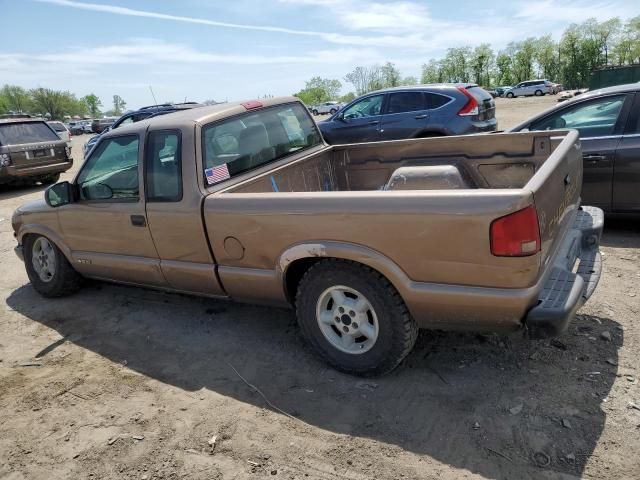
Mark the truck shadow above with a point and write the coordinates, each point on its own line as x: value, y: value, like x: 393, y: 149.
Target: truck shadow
x: 7, y: 192
x: 501, y: 407
x: 621, y: 232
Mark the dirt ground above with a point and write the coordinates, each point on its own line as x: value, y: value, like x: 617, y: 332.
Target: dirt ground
x: 121, y: 382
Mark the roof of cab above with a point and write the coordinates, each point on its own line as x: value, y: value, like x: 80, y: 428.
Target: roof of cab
x: 199, y: 115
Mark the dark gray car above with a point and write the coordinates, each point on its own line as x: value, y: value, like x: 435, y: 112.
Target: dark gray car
x: 412, y: 112
x: 609, y: 124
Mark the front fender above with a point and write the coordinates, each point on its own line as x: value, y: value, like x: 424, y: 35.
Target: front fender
x: 39, y: 229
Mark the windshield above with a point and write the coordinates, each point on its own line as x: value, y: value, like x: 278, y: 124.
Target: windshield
x: 242, y: 143
x: 27, y: 132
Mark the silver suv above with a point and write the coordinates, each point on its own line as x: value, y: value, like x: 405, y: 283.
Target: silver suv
x: 326, y: 107
x: 530, y: 87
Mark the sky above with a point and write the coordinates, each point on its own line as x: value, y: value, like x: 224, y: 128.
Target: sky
x: 234, y: 50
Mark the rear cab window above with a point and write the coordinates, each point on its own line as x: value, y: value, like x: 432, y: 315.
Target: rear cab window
x: 17, y: 133
x: 239, y: 144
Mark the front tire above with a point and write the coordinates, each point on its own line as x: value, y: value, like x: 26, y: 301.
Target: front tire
x: 49, y: 271
x: 332, y: 111
x: 354, y: 318
x: 538, y: 93
x: 509, y: 95
x: 315, y: 112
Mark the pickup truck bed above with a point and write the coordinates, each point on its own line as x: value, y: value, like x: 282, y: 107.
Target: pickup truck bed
x: 368, y: 242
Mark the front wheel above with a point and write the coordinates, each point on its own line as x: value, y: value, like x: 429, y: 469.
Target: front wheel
x: 49, y: 271
x: 539, y: 93
x: 354, y: 318
x: 332, y: 111
x: 509, y: 95
x: 315, y: 112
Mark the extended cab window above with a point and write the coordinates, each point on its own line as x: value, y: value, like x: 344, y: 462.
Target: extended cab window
x: 248, y: 141
x: 164, y: 167
x: 111, y: 172
x: 591, y: 118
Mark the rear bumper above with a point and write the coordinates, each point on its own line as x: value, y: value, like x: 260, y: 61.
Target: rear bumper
x: 564, y: 291
x: 13, y: 172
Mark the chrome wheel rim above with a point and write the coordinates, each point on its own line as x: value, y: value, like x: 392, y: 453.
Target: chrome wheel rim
x: 43, y: 258
x: 347, y: 320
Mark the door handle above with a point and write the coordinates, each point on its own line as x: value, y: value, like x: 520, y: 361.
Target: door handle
x: 420, y: 117
x: 138, y: 221
x: 594, y: 158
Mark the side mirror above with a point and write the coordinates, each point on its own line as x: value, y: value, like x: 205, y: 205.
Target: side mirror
x: 58, y: 194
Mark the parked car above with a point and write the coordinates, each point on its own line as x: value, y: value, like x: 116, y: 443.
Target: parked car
x: 501, y: 90
x: 62, y: 131
x: 78, y: 127
x: 412, y: 112
x: 141, y: 114
x: 608, y: 121
x: 326, y: 107
x: 367, y: 242
x: 565, y: 95
x: 99, y: 125
x: 529, y: 88
x: 30, y: 150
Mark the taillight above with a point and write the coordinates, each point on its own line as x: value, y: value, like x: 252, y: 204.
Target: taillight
x: 471, y: 107
x: 516, y: 234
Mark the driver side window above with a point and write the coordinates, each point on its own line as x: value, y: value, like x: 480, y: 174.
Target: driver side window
x: 367, y: 107
x: 592, y: 118
x: 111, y: 172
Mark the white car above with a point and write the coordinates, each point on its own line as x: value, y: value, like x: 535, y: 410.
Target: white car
x: 530, y: 87
x: 62, y: 131
x: 326, y: 107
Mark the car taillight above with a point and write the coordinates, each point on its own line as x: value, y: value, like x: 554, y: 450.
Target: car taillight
x: 471, y: 107
x: 516, y: 234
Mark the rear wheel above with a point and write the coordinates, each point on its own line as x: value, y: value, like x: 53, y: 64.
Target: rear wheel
x: 50, y: 179
x: 49, y: 271
x: 354, y: 318
x: 315, y: 112
x: 332, y: 111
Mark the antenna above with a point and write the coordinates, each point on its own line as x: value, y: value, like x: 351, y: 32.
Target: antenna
x: 153, y: 95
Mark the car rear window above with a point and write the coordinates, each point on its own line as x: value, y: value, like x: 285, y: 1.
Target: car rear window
x: 479, y: 94
x: 58, y: 127
x: 248, y: 141
x: 27, y: 132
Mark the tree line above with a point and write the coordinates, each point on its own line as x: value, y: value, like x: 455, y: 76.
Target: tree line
x: 582, y: 48
x: 54, y: 104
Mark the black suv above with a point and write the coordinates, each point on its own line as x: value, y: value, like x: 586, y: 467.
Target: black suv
x: 142, y: 114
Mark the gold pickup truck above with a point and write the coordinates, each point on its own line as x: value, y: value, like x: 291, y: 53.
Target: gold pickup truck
x: 368, y: 242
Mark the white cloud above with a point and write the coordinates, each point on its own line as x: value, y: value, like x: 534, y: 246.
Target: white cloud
x: 550, y: 11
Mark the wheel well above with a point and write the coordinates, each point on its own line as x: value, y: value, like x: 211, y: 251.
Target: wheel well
x: 294, y: 274
x: 430, y: 134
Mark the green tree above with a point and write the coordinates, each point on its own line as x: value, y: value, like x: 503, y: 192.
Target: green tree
x: 93, y: 104
x: 319, y: 90
x: 504, y: 75
x: 431, y: 71
x: 56, y: 104
x: 346, y: 98
x: 366, y: 79
x: 15, y: 98
x: 482, y: 59
x: 410, y: 80
x: 390, y: 75
x: 118, y: 105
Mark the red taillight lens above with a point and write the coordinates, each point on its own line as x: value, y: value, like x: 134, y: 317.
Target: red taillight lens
x: 471, y: 107
x: 516, y: 234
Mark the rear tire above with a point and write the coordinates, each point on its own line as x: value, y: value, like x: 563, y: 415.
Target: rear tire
x: 315, y: 112
x: 50, y: 179
x: 49, y: 271
x: 332, y: 111
x: 354, y: 318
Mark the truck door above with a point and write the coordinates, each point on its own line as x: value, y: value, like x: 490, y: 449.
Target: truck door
x: 174, y: 213
x: 405, y: 115
x: 106, y: 228
x: 626, y: 172
x: 600, y: 122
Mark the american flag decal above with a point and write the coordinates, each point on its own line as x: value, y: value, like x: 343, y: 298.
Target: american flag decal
x: 217, y: 174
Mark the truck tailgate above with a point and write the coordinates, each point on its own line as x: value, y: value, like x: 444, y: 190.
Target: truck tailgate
x: 556, y: 189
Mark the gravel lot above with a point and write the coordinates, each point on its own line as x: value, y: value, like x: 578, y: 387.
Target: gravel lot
x: 121, y: 382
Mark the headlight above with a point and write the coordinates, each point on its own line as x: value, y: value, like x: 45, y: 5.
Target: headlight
x: 5, y: 160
